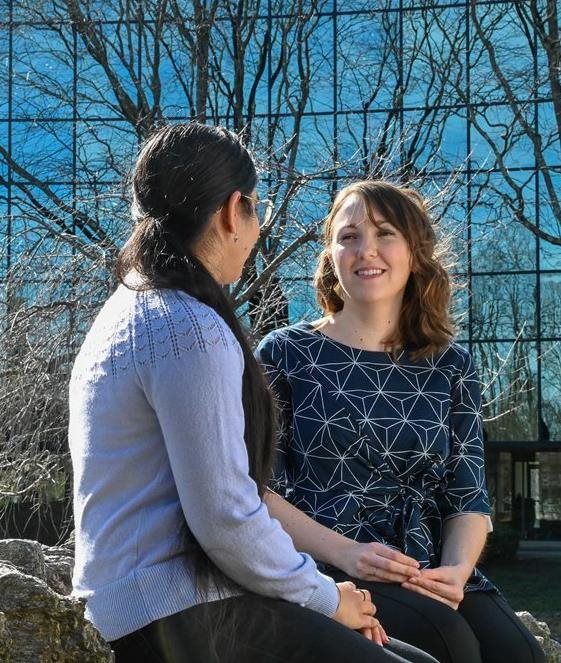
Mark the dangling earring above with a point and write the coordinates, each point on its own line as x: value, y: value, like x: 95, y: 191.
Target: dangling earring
x: 236, y: 237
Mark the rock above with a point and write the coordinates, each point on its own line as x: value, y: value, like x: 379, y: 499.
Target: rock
x: 5, y: 639
x: 59, y: 564
x: 36, y: 622
x: 541, y: 631
x: 25, y: 555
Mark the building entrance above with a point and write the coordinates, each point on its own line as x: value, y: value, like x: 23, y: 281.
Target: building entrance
x: 525, y: 491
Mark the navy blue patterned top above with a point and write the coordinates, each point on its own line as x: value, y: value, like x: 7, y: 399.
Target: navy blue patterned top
x: 377, y: 448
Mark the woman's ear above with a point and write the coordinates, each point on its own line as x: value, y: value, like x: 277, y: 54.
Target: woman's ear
x: 228, y: 214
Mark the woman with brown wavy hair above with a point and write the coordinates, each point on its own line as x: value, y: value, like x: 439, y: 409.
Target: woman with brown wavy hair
x: 381, y: 448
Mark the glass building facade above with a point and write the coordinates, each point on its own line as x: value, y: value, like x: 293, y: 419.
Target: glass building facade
x: 460, y: 98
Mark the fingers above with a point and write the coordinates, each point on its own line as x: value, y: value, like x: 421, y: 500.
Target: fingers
x: 385, y: 638
x: 346, y: 585
x: 438, y: 574
x: 378, y: 574
x: 377, y: 635
x: 378, y: 562
x: 366, y: 606
x: 433, y: 595
x: 355, y: 608
x: 365, y: 595
x: 449, y: 590
x: 374, y: 632
x: 395, y: 555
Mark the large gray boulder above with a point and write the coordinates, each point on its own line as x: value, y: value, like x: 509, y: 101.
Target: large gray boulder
x: 38, y: 623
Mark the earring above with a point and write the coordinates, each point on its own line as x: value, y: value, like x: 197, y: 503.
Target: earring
x: 236, y: 237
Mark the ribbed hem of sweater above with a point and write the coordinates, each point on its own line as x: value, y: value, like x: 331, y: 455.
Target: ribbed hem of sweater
x: 325, y: 598
x: 157, y: 591
x: 147, y: 594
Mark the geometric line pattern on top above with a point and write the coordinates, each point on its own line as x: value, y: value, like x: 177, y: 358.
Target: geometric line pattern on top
x: 375, y: 447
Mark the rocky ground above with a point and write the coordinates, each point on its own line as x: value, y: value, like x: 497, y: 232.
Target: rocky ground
x: 38, y: 620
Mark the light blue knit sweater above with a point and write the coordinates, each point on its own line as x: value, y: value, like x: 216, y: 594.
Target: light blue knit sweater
x: 156, y: 436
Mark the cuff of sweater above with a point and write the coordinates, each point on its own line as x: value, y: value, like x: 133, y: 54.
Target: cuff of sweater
x: 325, y: 598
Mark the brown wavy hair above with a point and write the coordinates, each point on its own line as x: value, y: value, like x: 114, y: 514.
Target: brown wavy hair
x: 425, y: 322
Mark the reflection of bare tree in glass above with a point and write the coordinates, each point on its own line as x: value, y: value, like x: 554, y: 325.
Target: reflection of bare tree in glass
x: 514, y: 106
x: 504, y: 308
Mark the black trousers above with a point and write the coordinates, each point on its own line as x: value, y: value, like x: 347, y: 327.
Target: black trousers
x: 484, y: 629
x: 254, y: 629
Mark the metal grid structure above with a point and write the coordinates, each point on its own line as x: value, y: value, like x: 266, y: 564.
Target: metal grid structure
x: 513, y: 272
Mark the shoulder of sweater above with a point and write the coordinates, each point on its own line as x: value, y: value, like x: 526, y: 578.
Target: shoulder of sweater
x: 138, y: 328
x: 180, y: 316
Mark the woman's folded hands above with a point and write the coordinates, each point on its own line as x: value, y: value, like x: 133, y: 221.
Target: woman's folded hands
x: 444, y: 583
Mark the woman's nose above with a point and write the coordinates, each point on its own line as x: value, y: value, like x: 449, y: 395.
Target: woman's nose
x: 368, y: 248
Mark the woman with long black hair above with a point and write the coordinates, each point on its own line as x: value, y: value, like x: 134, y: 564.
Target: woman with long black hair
x: 171, y: 435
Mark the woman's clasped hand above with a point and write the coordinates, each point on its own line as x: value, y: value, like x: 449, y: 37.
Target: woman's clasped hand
x: 443, y: 583
x: 357, y: 611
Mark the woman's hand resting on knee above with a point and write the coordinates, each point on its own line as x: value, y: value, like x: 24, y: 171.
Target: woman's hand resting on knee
x: 357, y: 611
x: 376, y: 562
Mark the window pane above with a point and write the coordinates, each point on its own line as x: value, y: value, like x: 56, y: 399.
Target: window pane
x: 508, y: 372
x: 511, y: 54
x: 367, y: 61
x: 105, y: 150
x: 504, y: 306
x: 42, y: 72
x: 499, y: 241
x: 44, y: 149
x: 499, y: 140
x: 550, y: 314
x: 551, y: 390
x: 549, y: 201
x: 549, y: 508
x: 433, y: 60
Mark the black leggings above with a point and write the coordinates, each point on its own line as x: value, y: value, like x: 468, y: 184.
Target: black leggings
x: 254, y: 629
x: 484, y: 629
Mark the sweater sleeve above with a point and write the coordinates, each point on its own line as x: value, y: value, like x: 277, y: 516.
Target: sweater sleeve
x: 197, y: 397
x: 466, y: 492
x: 268, y: 354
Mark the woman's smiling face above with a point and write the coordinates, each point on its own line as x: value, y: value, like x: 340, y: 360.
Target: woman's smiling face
x: 371, y: 258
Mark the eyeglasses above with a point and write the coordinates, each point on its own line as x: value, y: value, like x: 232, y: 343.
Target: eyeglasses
x: 262, y: 208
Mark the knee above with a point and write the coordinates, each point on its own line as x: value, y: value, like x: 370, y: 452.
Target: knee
x: 529, y: 651
x: 458, y: 638
x: 446, y: 635
x: 508, y: 641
